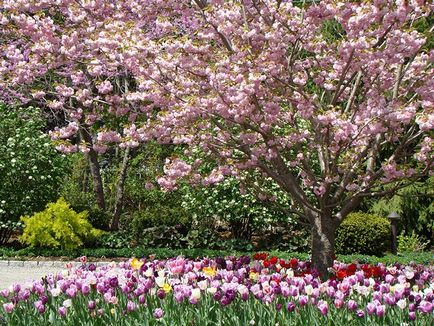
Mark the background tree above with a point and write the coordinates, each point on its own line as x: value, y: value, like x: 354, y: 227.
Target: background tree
x: 416, y: 206
x: 254, y: 84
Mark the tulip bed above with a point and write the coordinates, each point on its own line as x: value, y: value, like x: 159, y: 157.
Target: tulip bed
x: 261, y: 290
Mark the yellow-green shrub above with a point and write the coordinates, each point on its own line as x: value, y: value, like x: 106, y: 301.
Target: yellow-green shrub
x: 58, y: 226
x: 362, y: 233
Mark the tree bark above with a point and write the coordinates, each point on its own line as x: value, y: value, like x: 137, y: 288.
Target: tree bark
x: 114, y: 225
x: 95, y: 169
x: 323, y: 244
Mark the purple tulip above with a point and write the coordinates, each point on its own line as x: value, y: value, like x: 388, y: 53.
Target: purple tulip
x: 303, y: 300
x: 425, y: 307
x: 91, y: 305
x: 39, y: 306
x: 323, y: 307
x: 225, y: 300
x: 231, y: 294
x: 293, y: 291
x: 16, y: 288
x: 161, y: 294
x: 360, y: 313
x: 277, y: 290
x: 370, y: 308
x: 389, y: 299
x: 399, y: 294
x: 158, y: 313
x: 339, y: 295
x: 330, y: 292
x: 412, y: 307
x: 380, y: 310
x: 44, y: 299
x: 114, y: 282
x: 290, y: 306
x: 193, y: 300
x: 4, y: 293
x: 72, y: 291
x: 339, y: 303
x: 24, y: 295
x: 384, y: 288
x: 377, y: 296
x: 217, y: 296
x: 8, y: 307
x: 131, y: 306
x: 62, y: 311
x: 412, y: 315
x: 389, y: 278
x: 352, y: 305
x: 85, y: 289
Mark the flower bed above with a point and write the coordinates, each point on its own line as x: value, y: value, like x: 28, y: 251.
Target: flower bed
x: 223, y: 291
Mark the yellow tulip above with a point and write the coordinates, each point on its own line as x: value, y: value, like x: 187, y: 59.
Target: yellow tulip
x: 253, y: 275
x: 167, y: 288
x: 136, y: 264
x: 209, y: 271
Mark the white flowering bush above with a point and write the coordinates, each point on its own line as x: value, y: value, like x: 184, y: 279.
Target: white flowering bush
x: 30, y: 167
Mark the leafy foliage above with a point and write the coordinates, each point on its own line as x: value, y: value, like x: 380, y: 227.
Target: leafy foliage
x: 114, y: 240
x: 7, y: 229
x: 411, y: 243
x: 58, y: 226
x: 162, y: 209
x: 77, y: 185
x: 30, y: 168
x: 243, y: 209
x: 364, y: 234
x: 415, y: 204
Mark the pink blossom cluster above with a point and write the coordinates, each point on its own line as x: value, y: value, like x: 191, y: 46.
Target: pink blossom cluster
x: 173, y: 169
x: 252, y: 84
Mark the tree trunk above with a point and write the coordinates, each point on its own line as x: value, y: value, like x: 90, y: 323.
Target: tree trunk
x: 95, y: 170
x: 114, y: 225
x: 323, y: 244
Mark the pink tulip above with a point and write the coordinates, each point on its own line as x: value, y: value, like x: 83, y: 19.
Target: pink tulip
x: 8, y: 307
x: 323, y: 307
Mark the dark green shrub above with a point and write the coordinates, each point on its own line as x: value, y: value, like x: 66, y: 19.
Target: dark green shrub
x: 363, y: 233
x: 417, y: 213
x: 114, y: 240
x: 7, y: 229
x: 158, y: 215
x: 207, y: 238
x: 77, y: 191
x: 284, y: 237
x: 161, y: 237
x: 99, y: 219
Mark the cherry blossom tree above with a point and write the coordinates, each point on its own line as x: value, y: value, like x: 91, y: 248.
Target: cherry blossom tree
x: 332, y: 118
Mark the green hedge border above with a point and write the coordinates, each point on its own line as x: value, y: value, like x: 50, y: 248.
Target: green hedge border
x: 426, y: 258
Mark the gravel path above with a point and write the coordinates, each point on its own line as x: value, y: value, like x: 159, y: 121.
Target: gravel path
x: 22, y: 271
x: 21, y: 274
